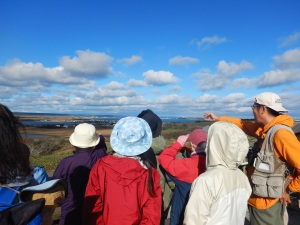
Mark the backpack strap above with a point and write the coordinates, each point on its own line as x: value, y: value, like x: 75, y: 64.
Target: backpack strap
x: 7, y: 195
x: 268, y: 143
x: 274, y: 164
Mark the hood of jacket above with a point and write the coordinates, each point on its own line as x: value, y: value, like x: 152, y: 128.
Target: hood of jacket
x: 123, y: 170
x: 227, y: 146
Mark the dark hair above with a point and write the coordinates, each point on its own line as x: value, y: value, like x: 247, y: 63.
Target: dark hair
x: 271, y: 111
x: 14, y: 153
x: 150, y: 183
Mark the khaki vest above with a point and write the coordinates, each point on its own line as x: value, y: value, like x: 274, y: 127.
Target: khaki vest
x: 271, y: 175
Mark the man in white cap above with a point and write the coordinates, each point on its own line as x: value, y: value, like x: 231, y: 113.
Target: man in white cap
x: 269, y: 113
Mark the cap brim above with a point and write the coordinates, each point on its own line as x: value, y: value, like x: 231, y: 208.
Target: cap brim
x: 278, y: 108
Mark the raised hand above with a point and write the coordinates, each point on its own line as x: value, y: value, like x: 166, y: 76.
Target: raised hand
x: 210, y: 116
x: 182, y: 139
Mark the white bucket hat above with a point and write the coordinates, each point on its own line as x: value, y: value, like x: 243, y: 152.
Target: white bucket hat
x: 271, y: 100
x: 84, y: 136
x: 131, y: 136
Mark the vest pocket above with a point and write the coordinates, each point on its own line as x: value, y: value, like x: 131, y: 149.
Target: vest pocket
x: 275, y: 186
x: 259, y: 187
x: 268, y: 185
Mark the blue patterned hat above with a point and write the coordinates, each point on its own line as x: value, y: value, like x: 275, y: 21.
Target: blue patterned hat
x: 131, y: 136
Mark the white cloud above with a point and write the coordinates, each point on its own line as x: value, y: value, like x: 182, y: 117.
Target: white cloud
x: 137, y: 83
x: 289, y: 59
x: 287, y: 71
x: 17, y: 73
x: 207, y: 98
x: 290, y: 40
x: 269, y: 79
x: 207, y: 42
x: 278, y: 77
x: 114, y: 85
x: 211, y: 82
x: 231, y: 69
x: 87, y: 63
x: 159, y: 77
x: 74, y: 72
x: 225, y: 72
x: 156, y: 91
x: 174, y: 89
x: 244, y: 83
x: 183, y: 61
x: 169, y: 99
x: 131, y: 61
x: 234, y: 98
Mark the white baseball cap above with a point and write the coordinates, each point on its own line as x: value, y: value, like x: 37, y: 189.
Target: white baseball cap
x: 271, y: 100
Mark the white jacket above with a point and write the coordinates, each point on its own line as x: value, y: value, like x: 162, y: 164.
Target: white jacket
x: 219, y: 196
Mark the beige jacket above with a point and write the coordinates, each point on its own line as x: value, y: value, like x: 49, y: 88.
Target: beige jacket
x: 219, y: 196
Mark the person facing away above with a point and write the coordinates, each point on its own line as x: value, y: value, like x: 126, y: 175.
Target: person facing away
x: 15, y: 168
x: 75, y: 169
x: 268, y: 112
x: 183, y: 171
x: 219, y: 195
x: 157, y: 146
x: 16, y: 173
x: 123, y: 188
x: 155, y: 124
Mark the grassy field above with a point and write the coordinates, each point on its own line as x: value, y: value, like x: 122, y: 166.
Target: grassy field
x: 60, y: 138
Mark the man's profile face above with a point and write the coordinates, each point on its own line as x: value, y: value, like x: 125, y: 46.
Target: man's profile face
x: 256, y: 108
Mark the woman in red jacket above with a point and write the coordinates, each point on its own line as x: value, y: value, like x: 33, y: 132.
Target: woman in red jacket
x: 123, y: 188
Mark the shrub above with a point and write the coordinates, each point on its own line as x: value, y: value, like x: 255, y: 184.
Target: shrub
x: 44, y: 146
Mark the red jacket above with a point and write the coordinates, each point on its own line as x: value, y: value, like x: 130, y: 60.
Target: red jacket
x: 117, y: 194
x: 186, y: 169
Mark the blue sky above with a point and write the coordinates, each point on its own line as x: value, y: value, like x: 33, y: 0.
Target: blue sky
x: 178, y: 58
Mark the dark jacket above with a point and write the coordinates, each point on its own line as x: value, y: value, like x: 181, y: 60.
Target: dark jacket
x: 75, y: 170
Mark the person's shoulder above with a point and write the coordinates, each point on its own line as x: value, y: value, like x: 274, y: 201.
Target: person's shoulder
x: 284, y: 132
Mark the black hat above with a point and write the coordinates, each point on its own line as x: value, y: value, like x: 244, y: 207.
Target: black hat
x: 153, y: 120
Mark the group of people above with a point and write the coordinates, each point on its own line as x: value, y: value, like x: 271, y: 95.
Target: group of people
x: 127, y: 186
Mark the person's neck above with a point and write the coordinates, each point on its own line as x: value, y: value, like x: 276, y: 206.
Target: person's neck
x: 268, y: 119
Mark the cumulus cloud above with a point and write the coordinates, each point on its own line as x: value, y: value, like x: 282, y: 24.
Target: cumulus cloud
x: 169, y: 99
x: 225, y: 72
x: 156, y: 91
x: 207, y: 98
x: 75, y: 72
x: 244, y: 83
x: 289, y: 59
x: 174, y: 89
x: 17, y: 73
x: 269, y: 79
x: 234, y: 98
x: 208, y: 42
x: 183, y: 61
x: 287, y: 70
x: 137, y: 83
x: 87, y: 63
x: 159, y: 77
x: 290, y: 40
x: 278, y: 77
x: 231, y: 69
x: 131, y: 61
